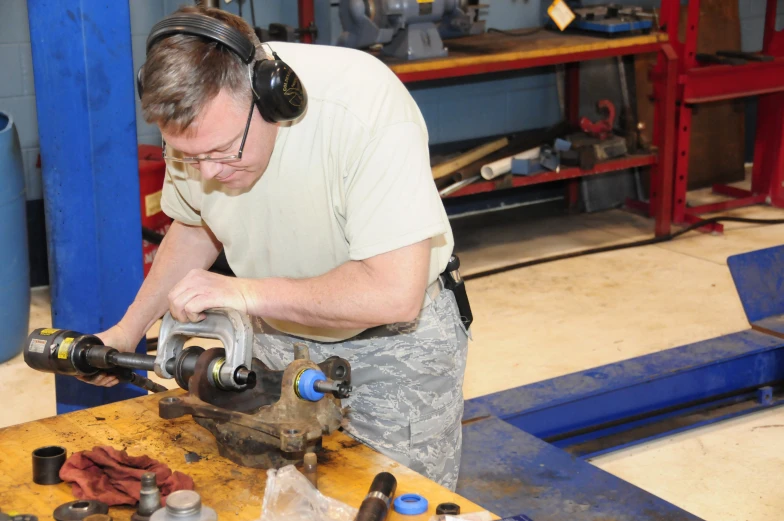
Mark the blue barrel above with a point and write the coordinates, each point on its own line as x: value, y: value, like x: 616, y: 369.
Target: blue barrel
x: 14, y: 263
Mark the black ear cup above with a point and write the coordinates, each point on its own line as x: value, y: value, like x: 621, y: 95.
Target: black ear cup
x: 280, y: 95
x: 139, y: 84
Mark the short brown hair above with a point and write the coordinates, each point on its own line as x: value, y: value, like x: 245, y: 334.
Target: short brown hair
x: 183, y: 73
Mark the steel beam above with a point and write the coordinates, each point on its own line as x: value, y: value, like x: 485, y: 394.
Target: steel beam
x: 512, y: 473
x: 722, y: 82
x: 609, y: 405
x: 84, y: 85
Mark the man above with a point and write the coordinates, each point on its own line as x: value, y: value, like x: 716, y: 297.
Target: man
x: 331, y: 222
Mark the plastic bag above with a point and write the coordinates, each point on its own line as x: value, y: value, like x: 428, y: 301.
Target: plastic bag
x: 290, y: 496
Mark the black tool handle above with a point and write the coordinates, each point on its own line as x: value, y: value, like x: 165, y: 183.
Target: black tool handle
x: 721, y: 60
x: 751, y: 56
x: 454, y: 283
x: 376, y: 504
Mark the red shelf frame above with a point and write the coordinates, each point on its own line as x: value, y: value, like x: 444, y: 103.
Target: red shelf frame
x: 702, y: 84
x: 660, y: 205
x: 565, y: 173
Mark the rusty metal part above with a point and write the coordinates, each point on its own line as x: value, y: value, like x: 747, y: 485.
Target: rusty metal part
x: 310, y: 468
x: 78, y: 510
x: 267, y: 426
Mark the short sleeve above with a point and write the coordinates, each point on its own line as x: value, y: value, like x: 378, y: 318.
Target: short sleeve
x: 391, y: 199
x: 173, y: 201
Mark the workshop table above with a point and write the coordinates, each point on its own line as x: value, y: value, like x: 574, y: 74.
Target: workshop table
x: 346, y: 467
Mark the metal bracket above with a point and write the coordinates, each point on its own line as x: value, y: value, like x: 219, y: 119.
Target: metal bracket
x: 231, y: 327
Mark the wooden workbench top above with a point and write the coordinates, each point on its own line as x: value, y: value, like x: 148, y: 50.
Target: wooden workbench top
x: 493, y: 47
x: 346, y: 467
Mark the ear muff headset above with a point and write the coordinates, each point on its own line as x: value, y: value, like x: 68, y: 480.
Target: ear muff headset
x: 279, y: 94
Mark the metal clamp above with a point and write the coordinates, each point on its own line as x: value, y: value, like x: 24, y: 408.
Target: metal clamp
x: 231, y: 327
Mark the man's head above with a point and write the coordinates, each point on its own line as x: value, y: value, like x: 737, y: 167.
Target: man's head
x: 199, y: 94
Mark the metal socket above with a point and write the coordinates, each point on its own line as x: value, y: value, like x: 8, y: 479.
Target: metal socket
x: 47, y: 462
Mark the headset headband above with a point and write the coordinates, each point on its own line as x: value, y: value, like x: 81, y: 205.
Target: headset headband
x: 201, y: 25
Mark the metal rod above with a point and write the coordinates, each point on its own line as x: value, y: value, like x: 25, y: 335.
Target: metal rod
x: 132, y: 360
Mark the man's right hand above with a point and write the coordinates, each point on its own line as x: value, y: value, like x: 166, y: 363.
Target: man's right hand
x: 119, y: 339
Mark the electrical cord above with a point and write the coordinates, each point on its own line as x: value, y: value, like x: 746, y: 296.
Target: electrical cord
x: 615, y: 247
x: 252, y: 13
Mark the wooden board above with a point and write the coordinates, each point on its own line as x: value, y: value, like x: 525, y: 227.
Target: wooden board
x: 718, y: 142
x: 496, y: 47
x: 346, y: 467
x: 717, y: 147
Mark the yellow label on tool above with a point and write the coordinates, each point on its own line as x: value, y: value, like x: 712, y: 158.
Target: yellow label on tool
x: 424, y: 1
x: 561, y: 14
x: 47, y: 332
x: 62, y: 351
x: 152, y: 203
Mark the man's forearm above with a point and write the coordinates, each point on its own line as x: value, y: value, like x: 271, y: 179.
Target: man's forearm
x: 353, y: 295
x: 183, y: 248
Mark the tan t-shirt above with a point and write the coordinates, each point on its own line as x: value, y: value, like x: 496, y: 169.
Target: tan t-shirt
x: 349, y: 180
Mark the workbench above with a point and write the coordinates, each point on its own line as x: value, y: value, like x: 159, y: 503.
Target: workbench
x: 496, y: 52
x: 346, y: 467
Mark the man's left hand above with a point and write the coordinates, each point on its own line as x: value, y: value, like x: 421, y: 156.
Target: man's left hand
x: 200, y: 290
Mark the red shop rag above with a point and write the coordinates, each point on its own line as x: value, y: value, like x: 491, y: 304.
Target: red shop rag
x: 113, y: 477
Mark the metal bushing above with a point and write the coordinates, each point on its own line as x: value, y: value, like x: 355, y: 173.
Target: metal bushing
x: 47, y: 462
x: 79, y: 510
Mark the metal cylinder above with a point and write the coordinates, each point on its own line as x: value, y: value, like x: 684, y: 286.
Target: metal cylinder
x: 375, y: 506
x: 133, y: 360
x: 60, y: 351
x: 149, y: 495
x: 310, y: 468
x: 47, y: 462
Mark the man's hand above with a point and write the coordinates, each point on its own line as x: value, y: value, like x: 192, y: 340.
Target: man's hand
x: 200, y: 290
x: 119, y: 339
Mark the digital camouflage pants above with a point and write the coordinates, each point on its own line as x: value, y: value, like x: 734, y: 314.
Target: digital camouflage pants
x: 407, y: 379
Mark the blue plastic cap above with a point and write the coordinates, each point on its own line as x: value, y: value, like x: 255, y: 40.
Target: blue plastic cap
x: 410, y: 504
x: 306, y: 381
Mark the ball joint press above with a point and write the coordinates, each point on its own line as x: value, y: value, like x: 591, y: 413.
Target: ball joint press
x: 260, y: 417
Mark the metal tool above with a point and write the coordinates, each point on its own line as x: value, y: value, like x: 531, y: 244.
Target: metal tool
x: 449, y: 190
x: 603, y: 128
x: 406, y: 28
x: 376, y: 504
x: 79, y: 510
x: 66, y: 352
x: 610, y: 19
x: 149, y: 498
x: 260, y: 418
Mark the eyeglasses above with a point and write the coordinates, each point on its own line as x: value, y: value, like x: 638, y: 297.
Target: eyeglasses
x: 222, y: 159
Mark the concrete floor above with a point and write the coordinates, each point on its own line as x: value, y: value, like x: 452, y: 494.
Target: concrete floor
x: 557, y: 318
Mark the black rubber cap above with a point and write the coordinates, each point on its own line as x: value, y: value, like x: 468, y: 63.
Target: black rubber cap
x: 448, y: 509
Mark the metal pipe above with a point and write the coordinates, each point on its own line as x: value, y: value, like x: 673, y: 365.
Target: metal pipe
x: 132, y: 360
x: 307, y: 17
